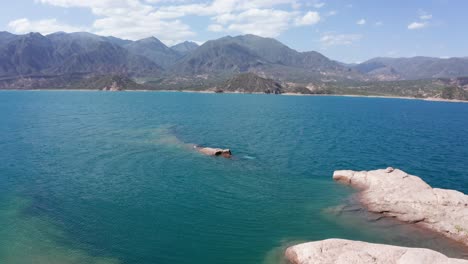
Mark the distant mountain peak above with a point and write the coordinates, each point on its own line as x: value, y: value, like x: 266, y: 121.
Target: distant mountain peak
x: 153, y: 49
x: 185, y: 47
x: 151, y: 39
x: 215, y: 60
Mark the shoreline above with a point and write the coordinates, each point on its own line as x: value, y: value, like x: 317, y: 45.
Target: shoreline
x: 371, y: 186
x: 429, y: 99
x: 364, y: 204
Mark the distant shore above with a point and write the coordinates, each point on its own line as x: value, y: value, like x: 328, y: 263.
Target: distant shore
x: 431, y: 99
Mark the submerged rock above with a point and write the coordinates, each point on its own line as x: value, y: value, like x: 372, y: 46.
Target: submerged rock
x: 333, y: 251
x: 215, y: 151
x: 394, y: 193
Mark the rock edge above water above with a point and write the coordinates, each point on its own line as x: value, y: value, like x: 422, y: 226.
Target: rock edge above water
x: 395, y: 193
x: 214, y: 151
x: 341, y: 251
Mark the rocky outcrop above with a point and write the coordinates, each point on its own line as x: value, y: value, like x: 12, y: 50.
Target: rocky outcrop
x: 337, y: 251
x: 250, y: 83
x: 395, y: 193
x: 113, y: 87
x: 215, y: 151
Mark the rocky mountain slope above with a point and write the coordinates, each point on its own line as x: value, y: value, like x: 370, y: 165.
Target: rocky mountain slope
x: 153, y: 49
x: 61, y: 54
x: 414, y: 68
x: 33, y: 61
x: 108, y: 83
x: 250, y: 83
x: 233, y: 55
x: 185, y: 47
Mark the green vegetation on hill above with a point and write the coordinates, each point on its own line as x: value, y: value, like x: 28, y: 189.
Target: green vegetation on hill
x: 453, y: 92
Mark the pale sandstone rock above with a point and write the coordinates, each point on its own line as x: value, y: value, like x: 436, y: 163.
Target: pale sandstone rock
x: 341, y: 251
x: 215, y: 151
x: 394, y: 193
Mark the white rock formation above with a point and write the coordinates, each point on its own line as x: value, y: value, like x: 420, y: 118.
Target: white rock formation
x: 214, y: 151
x: 341, y: 251
x: 394, y: 193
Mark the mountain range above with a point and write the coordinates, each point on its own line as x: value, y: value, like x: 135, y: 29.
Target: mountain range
x: 30, y: 57
x: 414, y: 68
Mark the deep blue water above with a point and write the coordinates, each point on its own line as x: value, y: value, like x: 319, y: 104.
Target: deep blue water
x: 96, y: 177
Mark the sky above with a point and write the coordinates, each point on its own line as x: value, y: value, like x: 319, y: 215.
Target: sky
x: 350, y: 31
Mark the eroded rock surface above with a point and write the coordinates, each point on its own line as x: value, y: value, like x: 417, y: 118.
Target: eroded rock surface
x: 215, y: 151
x: 341, y: 251
x: 395, y: 193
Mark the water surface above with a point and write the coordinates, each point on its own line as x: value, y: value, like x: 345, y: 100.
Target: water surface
x: 95, y: 177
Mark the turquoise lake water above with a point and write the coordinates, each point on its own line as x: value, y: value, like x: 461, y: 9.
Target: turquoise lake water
x: 95, y: 177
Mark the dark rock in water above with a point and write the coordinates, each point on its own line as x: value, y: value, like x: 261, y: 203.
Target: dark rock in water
x: 215, y: 151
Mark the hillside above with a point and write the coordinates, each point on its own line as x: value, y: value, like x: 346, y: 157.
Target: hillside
x: 428, y: 88
x: 414, y: 68
x: 35, y: 61
x: 62, y: 54
x: 229, y: 56
x: 185, y: 47
x: 108, y: 83
x: 218, y: 57
x: 250, y: 83
x: 153, y: 49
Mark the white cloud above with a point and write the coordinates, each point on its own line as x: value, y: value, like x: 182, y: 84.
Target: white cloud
x: 425, y: 17
x: 361, y: 22
x: 339, y: 39
x: 331, y: 13
x: 217, y: 7
x: 262, y: 22
x: 104, y: 7
x: 45, y: 26
x: 314, y: 3
x: 318, y: 5
x: 417, y: 25
x: 309, y: 18
x: 130, y: 19
x: 135, y: 19
x: 296, y: 5
x: 169, y: 32
x: 378, y: 23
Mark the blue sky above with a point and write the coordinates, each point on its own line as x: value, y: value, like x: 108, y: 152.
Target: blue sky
x: 346, y: 30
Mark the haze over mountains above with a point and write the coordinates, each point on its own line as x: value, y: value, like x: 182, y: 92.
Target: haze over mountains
x: 37, y: 61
